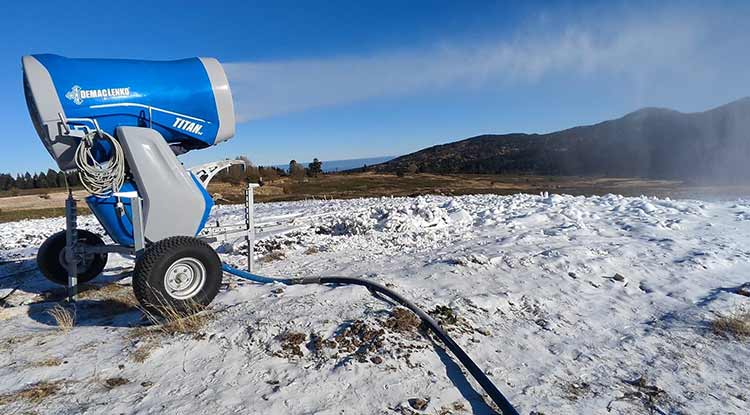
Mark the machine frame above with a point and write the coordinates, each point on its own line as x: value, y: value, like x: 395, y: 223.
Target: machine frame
x: 75, y: 252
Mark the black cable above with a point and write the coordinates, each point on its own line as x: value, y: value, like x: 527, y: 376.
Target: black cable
x: 505, y: 406
x: 494, y: 393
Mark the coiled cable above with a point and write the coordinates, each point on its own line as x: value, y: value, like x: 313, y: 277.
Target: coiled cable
x: 100, y: 179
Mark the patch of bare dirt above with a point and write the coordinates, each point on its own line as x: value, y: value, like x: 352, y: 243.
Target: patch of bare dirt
x: 403, y: 320
x: 290, y: 344
x: 34, y: 394
x: 394, y: 337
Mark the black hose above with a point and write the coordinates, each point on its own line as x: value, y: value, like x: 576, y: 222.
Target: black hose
x: 494, y: 393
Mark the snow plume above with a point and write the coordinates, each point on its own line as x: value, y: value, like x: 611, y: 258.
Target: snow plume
x: 638, y: 50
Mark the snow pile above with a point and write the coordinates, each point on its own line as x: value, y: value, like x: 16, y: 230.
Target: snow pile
x: 415, y: 218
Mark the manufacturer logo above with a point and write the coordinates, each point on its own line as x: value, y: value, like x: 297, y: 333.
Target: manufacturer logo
x: 77, y: 94
x: 189, y: 126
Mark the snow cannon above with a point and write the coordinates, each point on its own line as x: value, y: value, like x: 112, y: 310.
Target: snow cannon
x: 120, y: 124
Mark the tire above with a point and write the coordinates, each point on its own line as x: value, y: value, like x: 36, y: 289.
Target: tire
x: 51, y: 258
x: 179, y: 274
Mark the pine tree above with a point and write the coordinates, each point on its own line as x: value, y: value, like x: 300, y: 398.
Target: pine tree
x: 28, y: 181
x: 40, y: 182
x: 315, y: 168
x: 60, y: 179
x: 52, y: 178
x: 5, y: 181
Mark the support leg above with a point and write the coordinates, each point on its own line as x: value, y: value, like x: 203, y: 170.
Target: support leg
x: 250, y: 222
x: 71, y: 245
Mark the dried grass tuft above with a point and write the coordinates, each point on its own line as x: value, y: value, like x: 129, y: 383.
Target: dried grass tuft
x: 65, y: 317
x: 273, y: 256
x: 34, y: 394
x: 736, y: 325
x: 144, y: 349
x: 170, y: 321
x: 115, y: 382
x: 167, y: 320
x: 53, y: 361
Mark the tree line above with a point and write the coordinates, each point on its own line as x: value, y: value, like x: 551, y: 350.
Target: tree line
x: 247, y: 171
x: 41, y: 180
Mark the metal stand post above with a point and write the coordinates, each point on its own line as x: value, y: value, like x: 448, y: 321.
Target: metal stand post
x: 71, y: 245
x: 250, y: 223
x: 139, y: 240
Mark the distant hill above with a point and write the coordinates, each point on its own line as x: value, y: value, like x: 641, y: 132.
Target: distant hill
x: 652, y: 142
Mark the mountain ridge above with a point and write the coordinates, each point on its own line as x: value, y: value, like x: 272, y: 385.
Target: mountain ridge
x: 651, y: 142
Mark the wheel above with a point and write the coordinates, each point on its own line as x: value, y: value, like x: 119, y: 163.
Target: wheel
x: 179, y: 274
x: 52, y: 262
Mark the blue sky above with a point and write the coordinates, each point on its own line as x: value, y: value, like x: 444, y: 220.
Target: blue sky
x: 344, y: 79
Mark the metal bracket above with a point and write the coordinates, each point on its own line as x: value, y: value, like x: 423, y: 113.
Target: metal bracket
x: 206, y: 172
x: 63, y: 122
x: 136, y: 206
x: 105, y: 249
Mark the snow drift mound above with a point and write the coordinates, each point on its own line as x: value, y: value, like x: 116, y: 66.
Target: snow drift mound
x: 414, y: 218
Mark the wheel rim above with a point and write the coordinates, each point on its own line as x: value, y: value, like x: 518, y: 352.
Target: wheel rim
x: 185, y: 278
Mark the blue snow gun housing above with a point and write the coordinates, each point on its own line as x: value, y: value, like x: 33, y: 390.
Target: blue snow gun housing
x: 126, y: 121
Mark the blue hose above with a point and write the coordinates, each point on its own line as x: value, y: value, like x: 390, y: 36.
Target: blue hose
x: 494, y: 393
x: 252, y: 277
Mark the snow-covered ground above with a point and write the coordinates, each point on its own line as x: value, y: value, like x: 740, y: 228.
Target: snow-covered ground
x: 572, y: 305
